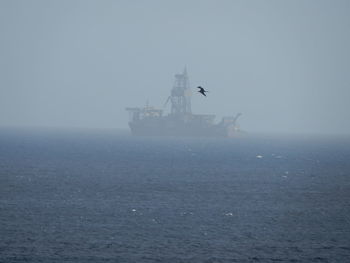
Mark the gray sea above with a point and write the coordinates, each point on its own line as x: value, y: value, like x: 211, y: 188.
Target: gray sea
x: 105, y: 196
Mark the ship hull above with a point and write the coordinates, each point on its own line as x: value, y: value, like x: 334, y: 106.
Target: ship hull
x: 159, y: 128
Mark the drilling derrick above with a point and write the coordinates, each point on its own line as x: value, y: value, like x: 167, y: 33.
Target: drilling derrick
x: 181, y: 95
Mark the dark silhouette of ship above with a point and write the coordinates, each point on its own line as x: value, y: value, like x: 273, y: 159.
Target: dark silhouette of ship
x: 180, y: 121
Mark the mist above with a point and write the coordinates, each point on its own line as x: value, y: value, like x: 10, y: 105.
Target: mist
x: 284, y: 64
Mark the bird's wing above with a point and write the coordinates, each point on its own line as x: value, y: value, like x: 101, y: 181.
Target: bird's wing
x: 202, y: 92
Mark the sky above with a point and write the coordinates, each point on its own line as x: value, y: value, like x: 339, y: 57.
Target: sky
x: 285, y: 65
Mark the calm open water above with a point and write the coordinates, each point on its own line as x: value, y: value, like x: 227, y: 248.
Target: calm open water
x: 103, y: 197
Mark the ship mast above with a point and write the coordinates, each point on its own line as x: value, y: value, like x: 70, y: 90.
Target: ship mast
x: 181, y: 95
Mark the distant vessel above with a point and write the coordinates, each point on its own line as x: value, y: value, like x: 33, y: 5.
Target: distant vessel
x: 180, y: 121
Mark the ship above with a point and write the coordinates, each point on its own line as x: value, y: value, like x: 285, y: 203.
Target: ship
x: 180, y: 121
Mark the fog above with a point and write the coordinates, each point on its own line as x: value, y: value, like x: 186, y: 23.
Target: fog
x: 284, y: 64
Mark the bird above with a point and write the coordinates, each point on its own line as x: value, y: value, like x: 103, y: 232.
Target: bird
x: 202, y: 91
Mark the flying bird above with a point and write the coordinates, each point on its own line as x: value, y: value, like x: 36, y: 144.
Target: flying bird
x: 202, y: 91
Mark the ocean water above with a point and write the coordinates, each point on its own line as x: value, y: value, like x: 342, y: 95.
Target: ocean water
x: 86, y: 196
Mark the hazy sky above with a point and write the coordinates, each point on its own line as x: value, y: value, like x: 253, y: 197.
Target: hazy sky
x: 284, y: 64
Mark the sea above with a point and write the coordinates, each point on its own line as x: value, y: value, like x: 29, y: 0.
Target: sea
x: 107, y: 196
